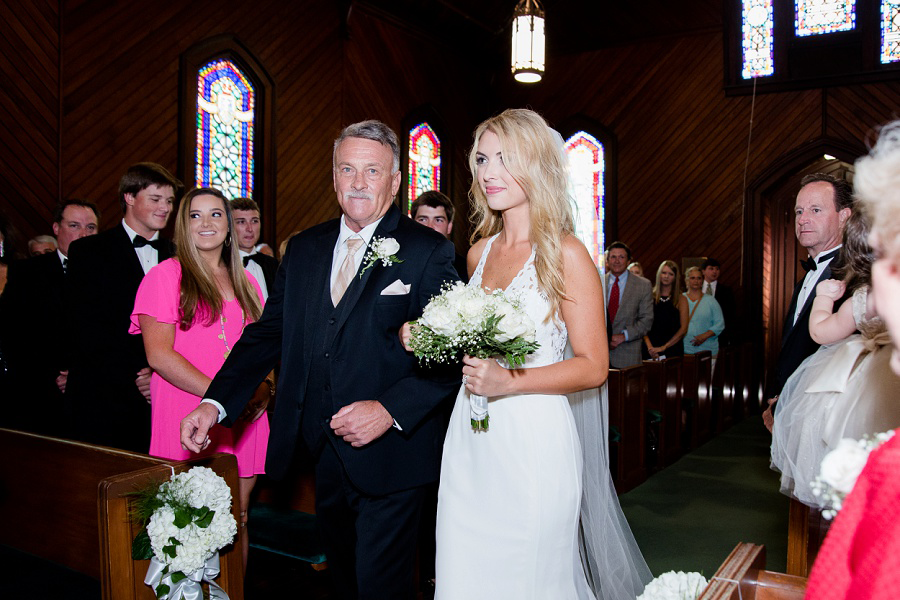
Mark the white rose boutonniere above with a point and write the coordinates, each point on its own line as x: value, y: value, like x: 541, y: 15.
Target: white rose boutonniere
x: 381, y: 249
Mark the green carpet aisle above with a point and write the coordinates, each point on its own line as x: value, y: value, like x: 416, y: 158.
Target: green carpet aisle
x: 689, y: 516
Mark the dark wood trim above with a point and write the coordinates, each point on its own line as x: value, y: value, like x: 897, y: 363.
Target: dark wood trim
x: 229, y: 46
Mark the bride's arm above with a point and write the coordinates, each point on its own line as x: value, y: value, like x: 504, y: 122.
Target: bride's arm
x: 582, y: 312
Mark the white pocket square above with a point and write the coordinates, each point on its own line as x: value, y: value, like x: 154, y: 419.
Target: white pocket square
x: 398, y: 288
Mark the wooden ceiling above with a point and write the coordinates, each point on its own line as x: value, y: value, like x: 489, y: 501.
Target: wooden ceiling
x: 573, y: 26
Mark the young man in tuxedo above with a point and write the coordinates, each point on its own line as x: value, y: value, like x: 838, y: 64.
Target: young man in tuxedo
x: 368, y: 412
x: 724, y: 296
x: 434, y: 209
x: 822, y: 207
x: 246, y: 228
x: 31, y: 309
x: 629, y: 308
x: 108, y: 387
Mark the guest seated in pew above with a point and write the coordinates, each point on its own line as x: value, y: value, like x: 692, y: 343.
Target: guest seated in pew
x: 861, y: 555
x: 670, y: 315
x: 705, y: 320
x: 845, y: 389
x: 191, y: 310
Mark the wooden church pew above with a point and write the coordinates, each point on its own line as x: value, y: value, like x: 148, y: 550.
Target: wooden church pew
x: 806, y: 534
x: 664, y: 395
x: 627, y: 410
x: 696, y: 393
x: 743, y: 577
x: 64, y: 505
x: 723, y: 380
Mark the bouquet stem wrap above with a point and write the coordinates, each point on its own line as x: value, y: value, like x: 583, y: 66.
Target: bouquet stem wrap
x: 480, y: 417
x: 188, y: 588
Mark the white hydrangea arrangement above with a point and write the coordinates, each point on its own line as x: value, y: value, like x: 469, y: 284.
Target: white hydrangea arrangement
x: 188, y: 521
x: 467, y: 320
x: 675, y: 586
x: 840, y: 469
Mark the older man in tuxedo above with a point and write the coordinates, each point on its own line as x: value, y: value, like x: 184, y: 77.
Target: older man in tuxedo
x: 31, y: 314
x: 629, y: 308
x: 108, y: 386
x: 822, y: 207
x: 366, y: 409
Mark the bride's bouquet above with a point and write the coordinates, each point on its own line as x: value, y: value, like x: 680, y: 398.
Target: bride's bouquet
x: 188, y: 520
x: 467, y: 320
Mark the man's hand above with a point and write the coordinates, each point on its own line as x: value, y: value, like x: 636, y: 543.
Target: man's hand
x: 61, y: 380
x: 143, y: 382
x: 195, y: 427
x: 616, y: 339
x: 359, y: 423
x: 406, y: 335
x: 768, y: 415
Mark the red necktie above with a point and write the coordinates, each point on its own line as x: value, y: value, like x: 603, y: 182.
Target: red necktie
x: 613, y: 301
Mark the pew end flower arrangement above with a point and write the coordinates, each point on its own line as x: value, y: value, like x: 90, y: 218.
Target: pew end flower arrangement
x: 186, y: 520
x: 467, y: 320
x: 675, y: 586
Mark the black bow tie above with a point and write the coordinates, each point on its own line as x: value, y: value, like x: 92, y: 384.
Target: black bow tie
x: 141, y: 241
x: 248, y: 258
x: 811, y: 264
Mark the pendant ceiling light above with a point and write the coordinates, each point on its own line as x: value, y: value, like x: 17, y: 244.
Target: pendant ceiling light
x: 528, y: 42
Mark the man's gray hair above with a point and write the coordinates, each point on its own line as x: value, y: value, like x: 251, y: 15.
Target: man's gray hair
x: 42, y: 239
x: 371, y: 130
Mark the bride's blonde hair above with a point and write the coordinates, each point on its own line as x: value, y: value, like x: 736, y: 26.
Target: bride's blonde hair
x: 534, y: 156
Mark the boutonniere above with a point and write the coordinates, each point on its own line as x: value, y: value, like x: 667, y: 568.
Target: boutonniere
x: 381, y: 249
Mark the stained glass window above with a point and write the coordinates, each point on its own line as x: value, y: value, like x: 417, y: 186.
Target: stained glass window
x: 814, y: 17
x: 424, y: 161
x: 225, y: 120
x: 890, y: 31
x: 757, y: 40
x: 586, y: 171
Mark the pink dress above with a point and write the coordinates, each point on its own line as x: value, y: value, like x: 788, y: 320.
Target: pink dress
x: 159, y: 296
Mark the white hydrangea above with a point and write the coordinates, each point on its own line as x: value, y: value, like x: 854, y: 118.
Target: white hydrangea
x: 200, y: 487
x: 675, y: 586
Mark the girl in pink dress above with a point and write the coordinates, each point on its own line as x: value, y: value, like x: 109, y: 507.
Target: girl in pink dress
x: 191, y: 310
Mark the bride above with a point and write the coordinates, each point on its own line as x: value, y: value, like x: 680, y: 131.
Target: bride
x: 511, y: 520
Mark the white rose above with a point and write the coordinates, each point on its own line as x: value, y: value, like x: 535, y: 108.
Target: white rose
x: 388, y: 247
x: 842, y: 466
x: 472, y: 307
x: 514, y: 323
x: 440, y: 319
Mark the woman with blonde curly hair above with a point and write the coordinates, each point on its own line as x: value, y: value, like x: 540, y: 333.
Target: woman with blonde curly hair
x: 510, y: 502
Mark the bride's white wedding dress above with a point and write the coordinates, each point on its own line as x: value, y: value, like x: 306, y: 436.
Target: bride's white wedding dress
x: 510, y: 498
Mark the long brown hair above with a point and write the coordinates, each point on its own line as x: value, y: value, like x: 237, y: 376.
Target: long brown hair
x: 676, y: 283
x: 534, y: 156
x: 201, y: 299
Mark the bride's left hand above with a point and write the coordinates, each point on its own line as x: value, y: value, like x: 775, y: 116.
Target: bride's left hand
x: 486, y: 377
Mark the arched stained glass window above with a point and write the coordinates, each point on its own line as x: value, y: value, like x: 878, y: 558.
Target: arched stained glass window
x: 890, y: 31
x: 225, y: 122
x: 586, y: 179
x: 424, y: 161
x: 814, y: 17
x: 757, y: 41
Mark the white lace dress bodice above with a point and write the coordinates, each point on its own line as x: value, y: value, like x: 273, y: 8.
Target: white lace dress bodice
x: 550, y: 333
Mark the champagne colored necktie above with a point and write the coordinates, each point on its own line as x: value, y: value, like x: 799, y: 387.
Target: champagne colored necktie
x: 347, y: 271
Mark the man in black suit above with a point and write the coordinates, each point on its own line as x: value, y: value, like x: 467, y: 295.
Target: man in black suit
x: 368, y: 412
x: 822, y: 207
x: 724, y: 296
x: 31, y: 310
x: 246, y: 228
x: 108, y: 386
x: 434, y: 210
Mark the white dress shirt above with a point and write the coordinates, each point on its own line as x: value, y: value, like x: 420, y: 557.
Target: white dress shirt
x: 148, y: 255
x: 255, y: 269
x: 810, y: 281
x: 707, y: 284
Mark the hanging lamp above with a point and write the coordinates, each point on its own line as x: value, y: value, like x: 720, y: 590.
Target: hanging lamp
x: 528, y: 42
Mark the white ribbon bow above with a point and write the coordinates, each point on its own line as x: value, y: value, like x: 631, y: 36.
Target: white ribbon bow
x: 188, y: 588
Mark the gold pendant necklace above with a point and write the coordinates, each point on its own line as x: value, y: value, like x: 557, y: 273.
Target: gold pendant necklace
x: 222, y: 335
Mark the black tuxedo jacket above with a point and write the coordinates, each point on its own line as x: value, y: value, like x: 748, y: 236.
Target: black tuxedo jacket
x: 104, y: 273
x: 725, y: 297
x: 269, y: 266
x: 32, y: 332
x: 334, y: 356
x: 796, y: 343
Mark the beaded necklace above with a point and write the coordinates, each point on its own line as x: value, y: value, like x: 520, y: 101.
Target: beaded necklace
x: 222, y: 335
